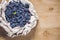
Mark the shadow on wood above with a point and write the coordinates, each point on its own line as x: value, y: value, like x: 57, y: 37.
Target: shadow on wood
x: 27, y: 37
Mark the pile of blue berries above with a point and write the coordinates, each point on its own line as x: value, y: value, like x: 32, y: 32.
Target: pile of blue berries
x: 17, y: 14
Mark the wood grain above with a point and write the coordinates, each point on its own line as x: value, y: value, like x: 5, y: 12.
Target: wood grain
x: 48, y: 27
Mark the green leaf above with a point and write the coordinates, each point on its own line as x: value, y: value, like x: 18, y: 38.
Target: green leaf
x: 14, y: 12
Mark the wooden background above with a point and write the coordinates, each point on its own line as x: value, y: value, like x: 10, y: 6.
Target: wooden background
x: 48, y: 27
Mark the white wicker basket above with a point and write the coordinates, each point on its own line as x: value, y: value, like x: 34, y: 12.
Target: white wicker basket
x: 12, y: 32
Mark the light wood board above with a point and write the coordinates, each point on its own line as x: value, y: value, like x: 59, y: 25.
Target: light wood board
x: 48, y: 27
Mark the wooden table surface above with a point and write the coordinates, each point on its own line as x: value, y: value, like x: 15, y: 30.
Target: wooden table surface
x: 48, y: 27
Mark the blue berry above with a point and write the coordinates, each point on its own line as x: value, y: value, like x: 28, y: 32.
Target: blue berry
x: 17, y: 14
x: 12, y: 25
x: 26, y: 5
